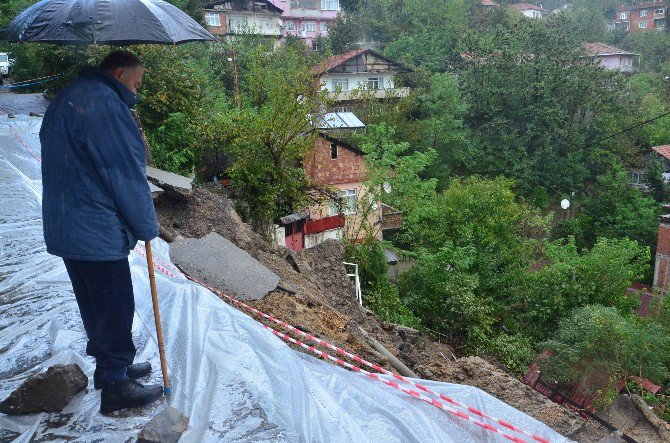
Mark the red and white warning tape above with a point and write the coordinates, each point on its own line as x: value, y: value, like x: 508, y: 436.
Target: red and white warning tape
x: 433, y: 401
x: 367, y: 363
x: 141, y: 251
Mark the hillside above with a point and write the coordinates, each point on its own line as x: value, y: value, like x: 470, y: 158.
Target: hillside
x: 324, y: 306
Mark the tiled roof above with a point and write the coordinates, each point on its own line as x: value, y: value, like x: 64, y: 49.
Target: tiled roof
x: 527, y: 6
x: 595, y: 49
x: 337, y: 60
x: 663, y: 150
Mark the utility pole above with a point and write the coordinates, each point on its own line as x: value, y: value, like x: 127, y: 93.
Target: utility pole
x: 235, y: 78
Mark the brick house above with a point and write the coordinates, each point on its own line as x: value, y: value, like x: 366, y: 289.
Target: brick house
x: 228, y: 17
x: 642, y: 17
x: 337, y: 165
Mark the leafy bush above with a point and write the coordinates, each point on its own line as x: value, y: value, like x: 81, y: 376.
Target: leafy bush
x: 379, y: 294
x: 597, y: 343
x: 440, y: 290
x: 570, y: 280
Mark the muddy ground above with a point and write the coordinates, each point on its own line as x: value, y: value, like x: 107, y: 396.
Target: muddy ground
x: 324, y: 305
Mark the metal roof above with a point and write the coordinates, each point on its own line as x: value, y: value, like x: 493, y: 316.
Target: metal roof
x: 339, y: 120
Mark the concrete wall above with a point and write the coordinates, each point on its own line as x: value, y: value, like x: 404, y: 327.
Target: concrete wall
x: 315, y: 239
x: 623, y: 63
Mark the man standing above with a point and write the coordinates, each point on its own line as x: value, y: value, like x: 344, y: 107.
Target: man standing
x: 96, y: 205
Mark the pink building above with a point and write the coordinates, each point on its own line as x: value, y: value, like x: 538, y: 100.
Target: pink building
x: 611, y: 58
x: 307, y: 19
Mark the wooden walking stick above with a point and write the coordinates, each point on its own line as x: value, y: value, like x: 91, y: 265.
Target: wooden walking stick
x: 157, y: 317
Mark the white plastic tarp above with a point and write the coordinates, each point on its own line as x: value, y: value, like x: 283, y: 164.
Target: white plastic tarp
x: 235, y: 380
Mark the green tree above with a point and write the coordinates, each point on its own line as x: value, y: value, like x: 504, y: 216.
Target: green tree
x: 535, y: 108
x: 613, y: 209
x: 653, y: 178
x: 570, y: 280
x: 394, y: 177
x: 273, y: 134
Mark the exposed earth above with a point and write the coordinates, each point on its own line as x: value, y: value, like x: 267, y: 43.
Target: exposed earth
x: 324, y: 305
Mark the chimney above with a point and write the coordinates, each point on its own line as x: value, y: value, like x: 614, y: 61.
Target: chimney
x: 662, y: 266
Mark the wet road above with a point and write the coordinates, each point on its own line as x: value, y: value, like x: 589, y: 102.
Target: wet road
x: 17, y: 104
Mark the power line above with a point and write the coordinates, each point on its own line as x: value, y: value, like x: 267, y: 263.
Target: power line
x: 631, y: 128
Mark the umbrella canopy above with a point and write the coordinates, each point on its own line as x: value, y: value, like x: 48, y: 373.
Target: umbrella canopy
x: 114, y: 22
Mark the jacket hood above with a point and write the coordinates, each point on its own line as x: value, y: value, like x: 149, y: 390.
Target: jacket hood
x: 91, y: 73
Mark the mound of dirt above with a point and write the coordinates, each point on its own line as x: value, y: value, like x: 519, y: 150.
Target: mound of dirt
x: 325, y: 306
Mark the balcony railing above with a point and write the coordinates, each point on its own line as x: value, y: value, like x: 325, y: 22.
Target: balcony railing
x: 376, y: 93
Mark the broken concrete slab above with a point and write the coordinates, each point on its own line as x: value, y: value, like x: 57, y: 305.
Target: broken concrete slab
x: 175, y: 185
x: 166, y: 427
x: 47, y: 391
x: 217, y: 261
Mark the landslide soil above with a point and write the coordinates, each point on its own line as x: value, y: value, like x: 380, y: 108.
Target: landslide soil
x: 324, y: 305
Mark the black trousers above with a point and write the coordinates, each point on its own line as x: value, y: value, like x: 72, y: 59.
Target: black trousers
x: 104, y: 293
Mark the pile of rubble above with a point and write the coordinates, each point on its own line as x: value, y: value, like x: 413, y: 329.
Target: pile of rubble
x: 324, y: 305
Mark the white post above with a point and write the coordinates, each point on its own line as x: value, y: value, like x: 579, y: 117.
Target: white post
x: 357, y: 282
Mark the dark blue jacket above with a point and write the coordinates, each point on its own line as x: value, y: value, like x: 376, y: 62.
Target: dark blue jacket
x: 96, y: 201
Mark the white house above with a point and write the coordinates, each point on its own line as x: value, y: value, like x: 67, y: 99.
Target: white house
x: 343, y: 75
x: 612, y: 58
x: 530, y: 10
x: 260, y: 17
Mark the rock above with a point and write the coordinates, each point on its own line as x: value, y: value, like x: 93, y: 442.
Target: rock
x: 48, y: 391
x: 407, y: 335
x: 632, y: 416
x: 166, y: 427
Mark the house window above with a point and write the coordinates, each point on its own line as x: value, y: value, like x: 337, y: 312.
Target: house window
x: 308, y: 26
x: 330, y: 5
x: 643, y: 13
x: 213, y: 19
x: 324, y: 27
x: 342, y: 83
x: 642, y: 25
x: 237, y: 24
x: 659, y: 11
x: 290, y: 25
x: 375, y: 83
x: 333, y: 151
x: 345, y: 204
x: 623, y: 16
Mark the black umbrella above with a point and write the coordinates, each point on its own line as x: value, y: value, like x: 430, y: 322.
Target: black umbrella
x: 114, y: 22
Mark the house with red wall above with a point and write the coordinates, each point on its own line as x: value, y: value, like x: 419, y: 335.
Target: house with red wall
x: 642, y: 17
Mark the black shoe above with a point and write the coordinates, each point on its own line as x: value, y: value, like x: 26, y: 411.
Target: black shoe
x: 127, y: 393
x: 136, y: 370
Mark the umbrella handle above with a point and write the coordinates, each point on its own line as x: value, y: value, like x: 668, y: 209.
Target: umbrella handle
x: 157, y: 317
